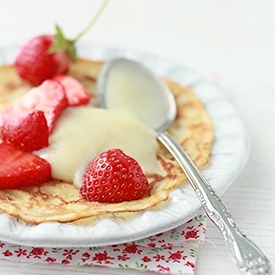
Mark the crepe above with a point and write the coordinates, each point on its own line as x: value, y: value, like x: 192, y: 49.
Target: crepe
x: 58, y: 201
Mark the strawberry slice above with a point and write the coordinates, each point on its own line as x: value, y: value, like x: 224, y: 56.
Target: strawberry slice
x: 27, y: 131
x: 49, y: 97
x: 76, y: 93
x: 114, y: 177
x: 21, y: 169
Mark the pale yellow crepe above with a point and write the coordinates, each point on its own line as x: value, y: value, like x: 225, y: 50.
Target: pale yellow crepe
x: 62, y: 202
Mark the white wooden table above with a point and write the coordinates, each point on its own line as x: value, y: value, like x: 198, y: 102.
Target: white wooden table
x: 233, y: 41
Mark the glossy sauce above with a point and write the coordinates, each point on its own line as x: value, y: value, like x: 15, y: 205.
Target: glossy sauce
x: 136, y: 92
x: 82, y: 133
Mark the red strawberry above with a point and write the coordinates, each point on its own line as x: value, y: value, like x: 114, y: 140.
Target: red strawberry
x: 27, y: 131
x: 49, y: 97
x: 114, y: 177
x: 35, y: 63
x: 21, y: 169
x: 46, y: 55
x: 76, y: 93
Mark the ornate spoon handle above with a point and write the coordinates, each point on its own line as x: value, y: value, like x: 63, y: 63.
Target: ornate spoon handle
x: 246, y: 255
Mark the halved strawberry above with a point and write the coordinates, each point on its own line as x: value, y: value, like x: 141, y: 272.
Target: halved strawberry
x: 27, y: 131
x: 113, y: 177
x: 21, y: 169
x: 49, y: 97
x: 76, y: 93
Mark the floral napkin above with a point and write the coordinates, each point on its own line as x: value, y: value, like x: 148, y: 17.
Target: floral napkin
x: 171, y: 252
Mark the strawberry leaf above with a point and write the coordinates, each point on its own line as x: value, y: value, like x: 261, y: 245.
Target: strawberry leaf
x: 63, y: 44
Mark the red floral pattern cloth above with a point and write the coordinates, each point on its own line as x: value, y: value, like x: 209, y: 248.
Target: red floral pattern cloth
x: 171, y: 252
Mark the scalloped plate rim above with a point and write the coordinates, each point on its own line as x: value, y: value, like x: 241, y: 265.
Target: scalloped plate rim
x: 182, y: 204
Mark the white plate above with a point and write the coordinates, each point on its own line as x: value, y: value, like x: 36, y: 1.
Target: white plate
x: 229, y: 154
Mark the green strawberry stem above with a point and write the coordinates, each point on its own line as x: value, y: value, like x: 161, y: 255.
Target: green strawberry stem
x: 63, y: 44
x: 93, y: 20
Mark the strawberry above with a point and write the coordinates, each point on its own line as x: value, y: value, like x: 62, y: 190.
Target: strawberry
x: 46, y: 55
x: 35, y: 63
x: 113, y: 177
x: 27, y: 131
x: 49, y: 97
x: 21, y: 169
x: 76, y: 93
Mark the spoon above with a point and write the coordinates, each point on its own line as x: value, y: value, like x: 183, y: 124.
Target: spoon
x: 127, y: 85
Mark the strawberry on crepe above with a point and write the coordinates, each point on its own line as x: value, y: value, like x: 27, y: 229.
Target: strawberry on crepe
x: 50, y: 97
x: 26, y: 125
x: 27, y: 131
x: 47, y: 92
x: 61, y: 200
x: 20, y: 169
x: 114, y: 177
x: 77, y: 95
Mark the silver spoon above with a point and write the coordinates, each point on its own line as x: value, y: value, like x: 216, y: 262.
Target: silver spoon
x: 127, y: 85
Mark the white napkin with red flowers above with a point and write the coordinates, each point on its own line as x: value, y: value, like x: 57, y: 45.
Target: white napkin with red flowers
x: 171, y: 252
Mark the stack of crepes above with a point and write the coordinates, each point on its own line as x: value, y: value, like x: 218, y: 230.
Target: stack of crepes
x: 59, y: 201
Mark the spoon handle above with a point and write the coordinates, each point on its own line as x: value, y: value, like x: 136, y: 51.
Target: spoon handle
x: 245, y: 254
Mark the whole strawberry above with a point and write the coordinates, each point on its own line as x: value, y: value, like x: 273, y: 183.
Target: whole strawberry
x: 46, y: 55
x: 35, y: 63
x: 114, y: 177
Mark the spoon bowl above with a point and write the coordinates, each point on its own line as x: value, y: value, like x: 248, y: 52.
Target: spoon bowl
x: 132, y: 87
x: 127, y: 85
